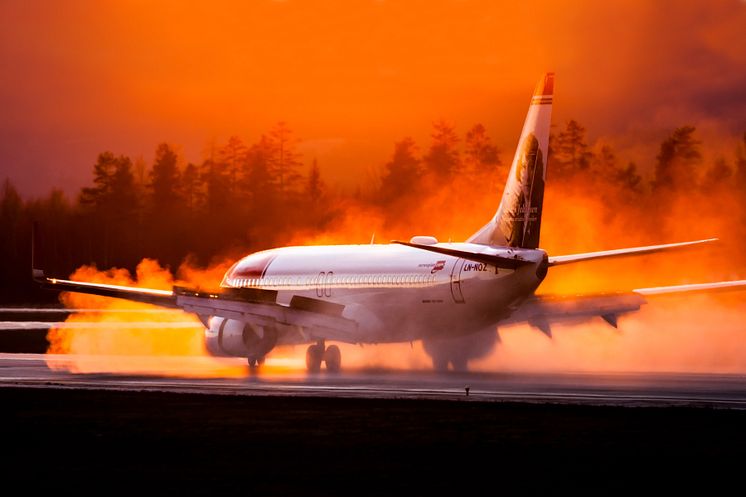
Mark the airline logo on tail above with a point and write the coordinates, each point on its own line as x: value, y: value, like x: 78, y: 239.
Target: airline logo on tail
x: 520, y: 214
x: 517, y: 222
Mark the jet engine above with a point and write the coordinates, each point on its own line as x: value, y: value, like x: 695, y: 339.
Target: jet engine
x: 233, y: 338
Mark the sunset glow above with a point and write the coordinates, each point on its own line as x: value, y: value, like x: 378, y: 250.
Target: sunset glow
x: 322, y: 103
x: 351, y: 78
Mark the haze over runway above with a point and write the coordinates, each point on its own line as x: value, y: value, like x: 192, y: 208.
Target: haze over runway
x: 631, y: 389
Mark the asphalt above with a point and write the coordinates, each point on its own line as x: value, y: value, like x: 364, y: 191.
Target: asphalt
x: 195, y: 426
x: 618, y: 389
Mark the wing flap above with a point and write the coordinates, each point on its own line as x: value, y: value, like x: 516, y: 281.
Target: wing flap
x: 317, y: 324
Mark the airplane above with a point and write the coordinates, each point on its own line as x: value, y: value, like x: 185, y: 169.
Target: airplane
x: 452, y: 296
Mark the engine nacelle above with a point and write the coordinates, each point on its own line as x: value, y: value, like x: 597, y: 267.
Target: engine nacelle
x: 233, y: 338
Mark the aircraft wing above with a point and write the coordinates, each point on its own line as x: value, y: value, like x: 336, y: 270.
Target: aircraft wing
x: 320, y: 319
x: 541, y: 311
x: 163, y: 298
x: 567, y: 259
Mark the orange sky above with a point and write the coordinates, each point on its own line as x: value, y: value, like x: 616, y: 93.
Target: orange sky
x: 351, y: 77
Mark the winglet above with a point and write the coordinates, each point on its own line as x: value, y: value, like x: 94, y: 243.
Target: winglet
x: 38, y: 275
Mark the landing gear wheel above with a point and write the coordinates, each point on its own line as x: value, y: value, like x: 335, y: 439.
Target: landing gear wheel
x: 333, y: 359
x: 314, y: 356
x: 255, y: 362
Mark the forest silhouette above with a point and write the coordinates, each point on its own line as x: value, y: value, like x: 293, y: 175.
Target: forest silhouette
x: 243, y: 197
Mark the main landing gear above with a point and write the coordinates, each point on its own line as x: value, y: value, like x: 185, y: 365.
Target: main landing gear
x: 317, y: 353
x: 255, y: 362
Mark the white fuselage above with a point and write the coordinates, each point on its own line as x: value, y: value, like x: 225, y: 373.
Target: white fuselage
x: 395, y: 293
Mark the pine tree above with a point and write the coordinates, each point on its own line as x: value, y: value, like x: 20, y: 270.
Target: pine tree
x: 443, y: 158
x: 165, y: 180
x: 103, y: 174
x: 677, y: 161
x: 570, y: 153
x: 260, y: 184
x: 217, y: 187
x: 314, y: 185
x: 741, y: 165
x: 481, y: 153
x: 628, y: 178
x: 111, y: 208
x: 605, y: 168
x: 402, y: 173
x: 233, y: 155
x: 191, y: 187
x: 285, y: 160
x: 11, y: 207
x: 317, y: 209
x: 717, y: 175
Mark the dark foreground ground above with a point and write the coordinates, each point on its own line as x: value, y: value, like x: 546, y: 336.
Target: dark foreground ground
x: 135, y: 443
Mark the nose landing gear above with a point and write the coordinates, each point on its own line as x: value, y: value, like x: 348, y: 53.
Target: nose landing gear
x: 330, y: 355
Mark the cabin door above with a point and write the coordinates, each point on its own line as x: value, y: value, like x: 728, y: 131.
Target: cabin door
x: 456, y: 292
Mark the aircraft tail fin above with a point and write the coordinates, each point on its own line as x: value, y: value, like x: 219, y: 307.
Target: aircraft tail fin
x: 518, y: 219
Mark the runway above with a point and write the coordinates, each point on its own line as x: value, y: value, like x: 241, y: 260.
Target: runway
x: 618, y: 389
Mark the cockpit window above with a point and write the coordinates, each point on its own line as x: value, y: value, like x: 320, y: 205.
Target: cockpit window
x: 251, y: 267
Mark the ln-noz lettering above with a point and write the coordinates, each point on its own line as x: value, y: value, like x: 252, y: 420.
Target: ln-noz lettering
x: 475, y: 266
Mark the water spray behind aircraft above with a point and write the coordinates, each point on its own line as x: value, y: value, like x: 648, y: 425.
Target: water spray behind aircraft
x: 392, y: 293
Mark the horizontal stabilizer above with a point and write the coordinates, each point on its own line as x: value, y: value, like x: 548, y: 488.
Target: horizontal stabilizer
x: 721, y: 286
x: 491, y: 259
x: 576, y: 308
x: 567, y: 259
x: 546, y: 309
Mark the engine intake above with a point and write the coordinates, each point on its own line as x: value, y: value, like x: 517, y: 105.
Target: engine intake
x: 233, y: 338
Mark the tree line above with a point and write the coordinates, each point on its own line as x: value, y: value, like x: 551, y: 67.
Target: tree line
x: 244, y: 196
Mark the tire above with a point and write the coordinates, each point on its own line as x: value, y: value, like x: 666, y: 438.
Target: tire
x: 314, y: 356
x: 333, y: 359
